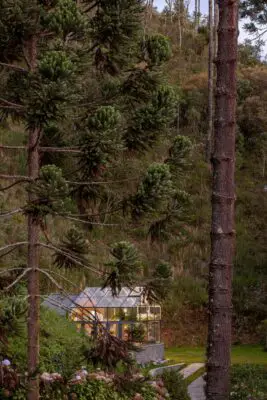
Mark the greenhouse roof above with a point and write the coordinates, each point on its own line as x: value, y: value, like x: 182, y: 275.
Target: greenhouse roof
x: 103, y: 298
x: 61, y: 304
x: 96, y: 297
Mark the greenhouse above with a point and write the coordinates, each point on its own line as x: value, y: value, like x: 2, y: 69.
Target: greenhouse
x: 127, y: 316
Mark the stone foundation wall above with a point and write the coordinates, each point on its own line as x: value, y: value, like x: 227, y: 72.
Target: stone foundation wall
x: 150, y: 352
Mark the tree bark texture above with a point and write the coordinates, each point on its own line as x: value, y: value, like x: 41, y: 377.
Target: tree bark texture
x: 33, y: 253
x: 223, y: 204
x: 210, y: 82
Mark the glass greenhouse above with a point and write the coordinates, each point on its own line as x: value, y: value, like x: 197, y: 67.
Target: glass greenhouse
x: 128, y: 315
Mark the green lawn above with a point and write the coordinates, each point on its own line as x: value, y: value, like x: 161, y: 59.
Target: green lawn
x: 245, y: 354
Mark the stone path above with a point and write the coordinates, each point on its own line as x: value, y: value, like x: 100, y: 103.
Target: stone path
x: 196, y: 389
x: 191, y: 369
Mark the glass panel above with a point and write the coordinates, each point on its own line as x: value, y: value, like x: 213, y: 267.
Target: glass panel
x: 153, y: 332
x: 154, y: 313
x: 113, y: 329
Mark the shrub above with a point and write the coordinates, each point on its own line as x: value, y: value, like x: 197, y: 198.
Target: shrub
x: 176, y: 386
x: 58, y: 336
x: 249, y: 382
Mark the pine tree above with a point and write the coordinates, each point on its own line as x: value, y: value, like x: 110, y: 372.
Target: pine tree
x: 223, y: 200
x: 51, y: 53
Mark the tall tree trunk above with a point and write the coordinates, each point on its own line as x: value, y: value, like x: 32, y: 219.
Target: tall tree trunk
x: 216, y: 22
x: 33, y: 253
x: 180, y: 22
x: 223, y: 203
x: 198, y: 13
x: 196, y: 17
x: 210, y: 82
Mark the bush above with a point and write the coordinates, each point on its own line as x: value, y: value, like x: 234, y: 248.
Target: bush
x: 175, y: 384
x: 61, y: 346
x: 249, y: 382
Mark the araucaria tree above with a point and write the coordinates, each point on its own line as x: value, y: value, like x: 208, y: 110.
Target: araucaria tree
x: 223, y: 207
x: 84, y: 83
x: 36, y: 52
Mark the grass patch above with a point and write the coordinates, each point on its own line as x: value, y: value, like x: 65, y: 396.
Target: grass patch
x: 194, y: 376
x: 245, y: 354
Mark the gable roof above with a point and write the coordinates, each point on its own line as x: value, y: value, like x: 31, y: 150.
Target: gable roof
x: 61, y: 304
x: 103, y: 298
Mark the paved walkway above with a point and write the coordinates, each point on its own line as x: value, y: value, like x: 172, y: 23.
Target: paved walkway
x: 191, y: 369
x: 196, y: 389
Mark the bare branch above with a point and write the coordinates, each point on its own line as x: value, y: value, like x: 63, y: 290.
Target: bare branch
x: 2, y: 189
x: 13, y: 245
x: 74, y: 150
x: 17, y: 177
x: 102, y: 182
x: 18, y: 279
x: 10, y: 270
x: 9, y: 213
x: 4, y: 147
x: 60, y: 150
x: 88, y: 312
x: 71, y: 258
x: 9, y: 104
x: 15, y: 67
x: 83, y: 221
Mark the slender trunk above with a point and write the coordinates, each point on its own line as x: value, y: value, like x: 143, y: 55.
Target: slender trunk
x: 216, y: 22
x: 196, y: 4
x: 210, y: 82
x: 33, y: 253
x: 223, y: 203
x: 198, y: 13
x: 180, y: 14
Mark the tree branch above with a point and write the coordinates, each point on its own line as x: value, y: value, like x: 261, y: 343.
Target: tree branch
x: 83, y: 221
x: 13, y: 245
x: 2, y: 189
x: 8, y: 213
x: 44, y: 149
x: 102, y: 182
x: 19, y: 177
x: 71, y: 258
x: 9, y: 104
x: 18, y: 279
x: 11, y: 66
x: 10, y: 270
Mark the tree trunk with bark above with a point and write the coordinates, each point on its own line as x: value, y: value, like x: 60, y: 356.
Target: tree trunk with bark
x: 210, y: 82
x: 33, y: 253
x: 223, y: 204
x: 196, y: 17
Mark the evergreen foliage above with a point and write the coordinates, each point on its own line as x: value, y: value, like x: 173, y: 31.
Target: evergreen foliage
x: 150, y: 120
x: 51, y: 191
x: 115, y: 32
x: 73, y: 248
x: 124, y: 269
x: 158, y: 49
x: 153, y: 192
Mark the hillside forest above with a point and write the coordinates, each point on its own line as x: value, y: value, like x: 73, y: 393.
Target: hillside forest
x: 115, y: 94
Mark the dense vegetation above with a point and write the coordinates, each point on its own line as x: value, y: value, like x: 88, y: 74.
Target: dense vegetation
x: 133, y: 202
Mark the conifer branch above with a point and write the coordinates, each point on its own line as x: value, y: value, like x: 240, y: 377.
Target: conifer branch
x: 18, y: 279
x: 2, y: 189
x: 84, y: 222
x: 44, y: 149
x: 49, y: 272
x: 9, y: 104
x: 11, y: 66
x: 9, y: 213
x: 13, y: 246
x: 4, y: 271
x: 17, y: 177
x: 71, y: 258
x: 102, y: 182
